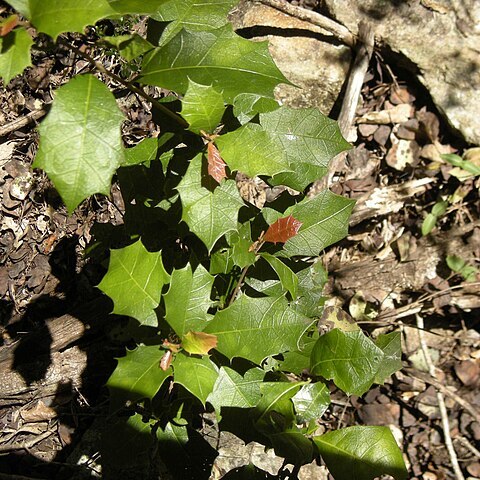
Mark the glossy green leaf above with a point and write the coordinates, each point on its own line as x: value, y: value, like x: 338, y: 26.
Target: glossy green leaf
x: 202, y: 107
x: 129, y: 46
x: 324, y: 221
x: 250, y: 150
x: 391, y: 345
x: 197, y: 374
x: 298, y: 361
x: 221, y: 58
x: 233, y: 390
x: 80, y: 140
x: 198, y: 343
x: 134, y: 282
x: 135, y: 7
x: 255, y: 328
x: 14, y: 53
x: 193, y: 15
x: 148, y: 150
x: 361, y: 453
x: 137, y: 375
x: 209, y: 214
x: 287, y: 277
x: 188, y: 299
x: 241, y: 241
x: 306, y: 136
x: 21, y: 6
x: 311, y: 282
x: 350, y: 359
x: 247, y: 105
x: 293, y: 446
x: 311, y: 401
x: 429, y: 223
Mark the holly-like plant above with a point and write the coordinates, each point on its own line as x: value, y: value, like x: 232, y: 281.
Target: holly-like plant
x: 224, y: 297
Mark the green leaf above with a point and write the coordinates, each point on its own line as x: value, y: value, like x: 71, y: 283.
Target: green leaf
x: 297, y: 361
x: 198, y: 343
x: 197, y: 375
x: 80, y: 140
x: 129, y: 46
x: 202, y: 107
x: 250, y: 150
x: 21, y: 6
x: 439, y: 208
x: 208, y: 214
x: 311, y: 282
x: 233, y: 390
x: 241, y: 241
x: 135, y: 7
x: 324, y: 221
x: 429, y: 223
x: 306, y: 136
x: 193, y: 15
x: 188, y: 299
x: 134, y: 282
x: 137, y: 375
x: 247, y: 105
x: 391, y: 345
x: 311, y: 401
x: 255, y: 328
x: 455, y: 262
x: 293, y: 446
x: 361, y: 453
x: 231, y: 64
x: 287, y: 278
x: 148, y: 150
x: 14, y: 54
x: 458, y: 161
x: 350, y: 359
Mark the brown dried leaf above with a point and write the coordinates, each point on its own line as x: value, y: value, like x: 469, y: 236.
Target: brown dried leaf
x: 39, y: 413
x: 283, y: 229
x: 7, y: 25
x: 216, y: 165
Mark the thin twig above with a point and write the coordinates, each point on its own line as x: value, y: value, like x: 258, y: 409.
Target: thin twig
x: 441, y: 402
x: 25, y: 445
x: 238, y: 286
x: 21, y: 122
x: 133, y: 88
x: 341, y: 32
x: 467, y: 445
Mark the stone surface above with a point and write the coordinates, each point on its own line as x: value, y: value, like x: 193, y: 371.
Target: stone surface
x: 307, y: 55
x: 438, y: 41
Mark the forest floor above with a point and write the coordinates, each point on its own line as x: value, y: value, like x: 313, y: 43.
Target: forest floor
x: 384, y: 274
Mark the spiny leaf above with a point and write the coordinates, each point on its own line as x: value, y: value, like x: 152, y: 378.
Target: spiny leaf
x: 134, y: 282
x: 197, y: 375
x: 192, y: 15
x: 350, y: 359
x: 282, y: 230
x: 14, y: 53
x: 202, y: 107
x: 247, y: 105
x: 324, y: 221
x: 233, y: 390
x: 129, y: 46
x: 148, y: 150
x: 137, y: 375
x: 255, y: 328
x: 361, y: 453
x: 80, y: 140
x: 208, y: 214
x: 198, y: 343
x: 216, y: 165
x: 250, y: 150
x: 220, y: 58
x: 188, y: 299
x: 287, y: 277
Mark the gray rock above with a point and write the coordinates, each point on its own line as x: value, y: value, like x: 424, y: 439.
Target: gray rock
x: 318, y: 67
x: 440, y: 41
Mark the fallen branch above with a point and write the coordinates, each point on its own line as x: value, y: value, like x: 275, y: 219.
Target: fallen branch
x: 21, y: 122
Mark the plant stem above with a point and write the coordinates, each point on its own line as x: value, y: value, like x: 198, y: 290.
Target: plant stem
x: 133, y: 88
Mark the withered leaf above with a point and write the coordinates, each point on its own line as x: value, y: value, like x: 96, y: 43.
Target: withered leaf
x: 283, y: 229
x: 216, y: 165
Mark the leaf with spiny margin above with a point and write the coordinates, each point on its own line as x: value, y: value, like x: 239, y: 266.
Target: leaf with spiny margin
x: 14, y: 54
x: 250, y: 150
x: 137, y: 376
x: 134, y: 282
x: 297, y: 361
x: 198, y: 343
x: 80, y: 140
x: 255, y: 328
x: 287, y: 277
x: 350, y: 359
x: 148, y: 150
x: 324, y: 221
x: 361, y: 453
x: 129, y: 46
x: 308, y: 139
x: 192, y: 15
x: 188, y: 299
x: 197, y: 375
x: 391, y: 345
x: 247, y: 105
x: 202, y: 107
x: 221, y: 58
x: 241, y: 241
x: 209, y: 215
x: 311, y: 401
x: 233, y: 390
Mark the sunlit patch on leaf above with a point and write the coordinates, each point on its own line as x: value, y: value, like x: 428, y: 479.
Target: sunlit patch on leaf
x: 199, y: 343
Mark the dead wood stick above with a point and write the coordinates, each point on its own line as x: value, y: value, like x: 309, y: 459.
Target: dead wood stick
x: 338, y: 30
x: 25, y: 445
x: 21, y: 122
x: 441, y: 402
